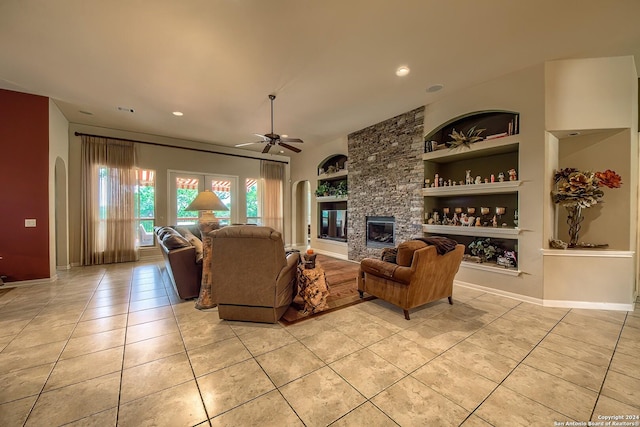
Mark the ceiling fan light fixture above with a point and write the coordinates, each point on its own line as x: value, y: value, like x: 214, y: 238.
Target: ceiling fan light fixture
x: 178, y: 113
x: 402, y: 71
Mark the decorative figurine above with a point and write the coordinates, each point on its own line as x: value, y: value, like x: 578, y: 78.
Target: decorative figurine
x: 436, y: 180
x: 486, y: 180
x: 478, y: 223
x: 440, y: 182
x: 478, y: 179
x: 512, y: 175
x: 468, y: 179
x: 501, y: 177
x: 493, y: 178
x: 494, y: 221
x: 455, y: 220
x: 427, y: 183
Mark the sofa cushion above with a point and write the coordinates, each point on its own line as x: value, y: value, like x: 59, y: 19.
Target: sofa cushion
x: 175, y: 241
x: 194, y: 240
x: 406, y: 250
x: 161, y: 232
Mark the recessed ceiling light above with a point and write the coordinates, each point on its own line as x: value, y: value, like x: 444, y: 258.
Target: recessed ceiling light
x: 435, y: 88
x: 178, y: 113
x: 126, y: 109
x: 284, y: 136
x: 402, y: 71
x: 281, y: 151
x: 574, y: 133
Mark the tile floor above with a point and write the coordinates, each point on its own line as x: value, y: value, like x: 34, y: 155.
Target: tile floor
x: 106, y: 346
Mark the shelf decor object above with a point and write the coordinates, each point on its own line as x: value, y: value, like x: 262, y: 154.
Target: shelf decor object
x: 577, y: 190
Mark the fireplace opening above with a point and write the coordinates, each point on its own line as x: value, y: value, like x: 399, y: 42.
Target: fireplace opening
x: 381, y: 231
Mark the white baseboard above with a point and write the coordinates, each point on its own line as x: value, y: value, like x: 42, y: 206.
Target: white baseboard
x: 63, y: 267
x: 551, y: 303
x: 499, y: 292
x: 589, y: 305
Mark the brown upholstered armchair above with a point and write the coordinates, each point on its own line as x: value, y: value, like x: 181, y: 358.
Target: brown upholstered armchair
x: 252, y: 279
x: 419, y: 275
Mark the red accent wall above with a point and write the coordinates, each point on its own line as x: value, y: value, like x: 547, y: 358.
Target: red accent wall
x: 24, y: 192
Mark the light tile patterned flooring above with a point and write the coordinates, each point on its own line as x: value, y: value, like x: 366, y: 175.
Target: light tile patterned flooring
x: 113, y: 345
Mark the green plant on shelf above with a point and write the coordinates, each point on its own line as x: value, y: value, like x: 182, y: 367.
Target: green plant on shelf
x: 324, y: 189
x: 484, y: 249
x: 342, y: 189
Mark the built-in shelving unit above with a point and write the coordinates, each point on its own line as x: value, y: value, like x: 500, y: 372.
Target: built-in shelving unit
x: 332, y: 202
x: 489, y: 161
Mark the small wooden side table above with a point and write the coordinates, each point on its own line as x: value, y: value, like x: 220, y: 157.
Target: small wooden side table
x: 312, y: 289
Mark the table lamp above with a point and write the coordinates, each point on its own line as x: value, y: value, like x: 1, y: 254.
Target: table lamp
x: 206, y: 202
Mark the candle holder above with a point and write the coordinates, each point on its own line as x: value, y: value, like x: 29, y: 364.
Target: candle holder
x: 471, y: 211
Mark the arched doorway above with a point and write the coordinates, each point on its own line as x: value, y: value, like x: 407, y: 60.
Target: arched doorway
x: 301, y: 218
x: 61, y: 214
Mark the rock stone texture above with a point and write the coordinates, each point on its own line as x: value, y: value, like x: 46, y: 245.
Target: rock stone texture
x: 386, y: 173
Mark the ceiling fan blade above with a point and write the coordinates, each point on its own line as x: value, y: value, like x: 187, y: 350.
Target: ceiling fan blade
x: 264, y: 138
x: 291, y: 140
x: 246, y: 143
x: 290, y: 147
x: 266, y: 149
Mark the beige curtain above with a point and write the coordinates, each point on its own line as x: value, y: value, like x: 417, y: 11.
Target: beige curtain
x: 272, y: 202
x: 108, y: 229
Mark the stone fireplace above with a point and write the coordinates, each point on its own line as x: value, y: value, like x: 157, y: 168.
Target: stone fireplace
x: 386, y: 173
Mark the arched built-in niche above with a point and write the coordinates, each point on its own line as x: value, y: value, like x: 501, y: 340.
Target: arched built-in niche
x: 496, y: 123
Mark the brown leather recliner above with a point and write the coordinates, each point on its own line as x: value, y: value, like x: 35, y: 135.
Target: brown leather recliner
x: 419, y: 275
x: 252, y: 279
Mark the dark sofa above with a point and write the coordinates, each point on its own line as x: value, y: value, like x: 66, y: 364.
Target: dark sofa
x: 182, y: 251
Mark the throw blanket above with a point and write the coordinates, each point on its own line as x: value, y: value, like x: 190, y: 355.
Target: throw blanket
x: 442, y: 244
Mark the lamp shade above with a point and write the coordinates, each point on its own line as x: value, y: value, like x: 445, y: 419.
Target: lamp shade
x: 207, y: 201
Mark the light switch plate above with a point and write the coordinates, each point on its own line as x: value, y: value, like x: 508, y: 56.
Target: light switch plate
x: 29, y: 222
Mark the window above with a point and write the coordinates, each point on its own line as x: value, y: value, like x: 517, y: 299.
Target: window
x: 222, y: 188
x: 186, y: 192
x: 145, y: 206
x: 253, y: 206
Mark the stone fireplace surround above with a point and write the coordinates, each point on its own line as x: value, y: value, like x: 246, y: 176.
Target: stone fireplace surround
x: 386, y: 173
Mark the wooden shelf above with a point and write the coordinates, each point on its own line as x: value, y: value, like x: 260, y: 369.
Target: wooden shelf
x: 331, y: 198
x: 491, y: 267
x: 473, y: 189
x: 495, y: 232
x: 329, y: 176
x: 506, y: 144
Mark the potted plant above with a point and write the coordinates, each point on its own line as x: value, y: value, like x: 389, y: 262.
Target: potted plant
x: 324, y: 189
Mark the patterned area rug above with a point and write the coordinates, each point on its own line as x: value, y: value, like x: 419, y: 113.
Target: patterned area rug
x: 343, y: 289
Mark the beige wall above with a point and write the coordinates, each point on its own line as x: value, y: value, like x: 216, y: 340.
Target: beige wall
x: 591, y: 93
x: 58, y: 153
x: 162, y: 159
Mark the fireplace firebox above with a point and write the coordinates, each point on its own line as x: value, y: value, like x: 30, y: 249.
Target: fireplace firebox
x: 381, y: 231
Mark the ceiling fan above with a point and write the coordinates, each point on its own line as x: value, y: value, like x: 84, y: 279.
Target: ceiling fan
x: 272, y: 139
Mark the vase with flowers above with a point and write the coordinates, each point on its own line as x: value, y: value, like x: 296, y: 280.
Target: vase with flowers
x: 577, y: 190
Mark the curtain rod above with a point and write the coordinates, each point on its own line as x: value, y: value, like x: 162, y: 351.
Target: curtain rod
x: 201, y: 150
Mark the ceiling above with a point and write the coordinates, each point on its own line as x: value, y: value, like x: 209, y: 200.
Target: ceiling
x: 331, y: 63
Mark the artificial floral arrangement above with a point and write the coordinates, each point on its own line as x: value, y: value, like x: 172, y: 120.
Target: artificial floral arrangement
x: 461, y: 139
x: 484, y: 249
x: 582, y: 188
x: 577, y: 190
